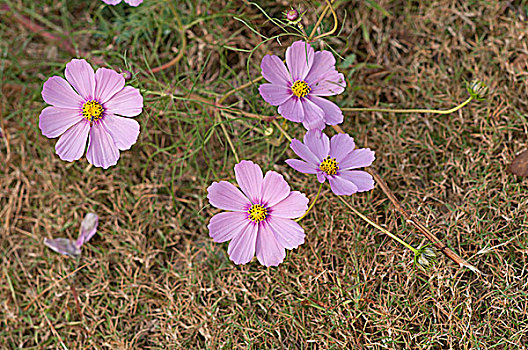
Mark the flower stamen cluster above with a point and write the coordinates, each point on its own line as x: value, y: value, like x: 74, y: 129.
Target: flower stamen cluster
x: 92, y: 110
x: 300, y: 89
x: 329, y: 165
x: 257, y: 213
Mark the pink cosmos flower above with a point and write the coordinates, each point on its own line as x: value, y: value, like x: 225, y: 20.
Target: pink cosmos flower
x: 333, y: 160
x: 260, y: 217
x: 130, y: 2
x: 66, y: 246
x: 92, y: 109
x: 298, y: 90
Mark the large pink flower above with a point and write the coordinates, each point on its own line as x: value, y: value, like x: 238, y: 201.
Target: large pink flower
x: 298, y: 90
x: 91, y: 109
x: 260, y: 217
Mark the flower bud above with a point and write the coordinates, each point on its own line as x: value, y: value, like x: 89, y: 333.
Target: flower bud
x: 127, y: 74
x: 292, y: 15
x: 478, y: 90
x: 425, y: 258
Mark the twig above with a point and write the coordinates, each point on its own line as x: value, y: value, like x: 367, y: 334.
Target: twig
x: 417, y: 224
x: 183, y: 45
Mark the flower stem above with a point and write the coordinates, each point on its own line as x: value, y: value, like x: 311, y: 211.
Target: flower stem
x: 335, y: 22
x: 320, y: 19
x: 288, y: 137
x: 311, y: 205
x: 387, y: 232
x: 241, y: 87
x: 388, y: 110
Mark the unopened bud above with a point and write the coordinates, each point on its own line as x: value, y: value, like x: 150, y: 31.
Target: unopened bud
x: 268, y: 131
x: 127, y: 74
x: 425, y: 258
x: 292, y: 15
x: 478, y: 90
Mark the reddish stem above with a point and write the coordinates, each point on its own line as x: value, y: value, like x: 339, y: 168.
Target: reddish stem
x: 38, y: 29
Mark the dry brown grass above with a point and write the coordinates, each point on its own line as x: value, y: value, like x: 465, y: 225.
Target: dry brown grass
x: 152, y: 278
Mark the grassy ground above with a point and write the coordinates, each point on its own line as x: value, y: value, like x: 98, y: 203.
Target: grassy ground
x: 152, y: 278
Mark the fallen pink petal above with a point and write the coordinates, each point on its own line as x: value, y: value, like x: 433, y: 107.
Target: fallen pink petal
x: 129, y: 2
x: 93, y: 108
x: 67, y: 246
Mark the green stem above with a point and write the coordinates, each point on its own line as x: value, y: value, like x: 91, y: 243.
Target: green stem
x: 388, y: 233
x: 311, y: 205
x: 436, y: 111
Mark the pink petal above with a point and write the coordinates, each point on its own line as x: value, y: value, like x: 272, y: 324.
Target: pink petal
x: 269, y: 251
x: 63, y: 246
x: 299, y: 58
x: 225, y: 226
x: 340, y: 146
x: 305, y: 153
x: 323, y: 63
x: 88, y: 228
x: 226, y: 196
x: 321, y: 177
x: 57, y: 92
x: 293, y: 206
x: 333, y: 84
x: 107, y: 84
x: 102, y: 150
x: 242, y: 247
x: 127, y: 102
x: 249, y: 178
x: 292, y: 109
x: 358, y: 158
x: 112, y: 2
x: 274, y: 70
x: 302, y: 166
x: 318, y: 143
x: 274, y: 94
x: 332, y: 113
x: 124, y: 131
x: 134, y: 2
x: 274, y: 189
x: 342, y: 186
x: 54, y: 121
x: 288, y: 233
x: 81, y: 76
x: 362, y: 179
x: 313, y: 116
x: 72, y: 143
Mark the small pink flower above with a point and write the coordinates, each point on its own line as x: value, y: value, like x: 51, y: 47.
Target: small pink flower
x: 260, y: 217
x: 298, y: 90
x: 91, y: 109
x: 130, y: 2
x: 334, y: 160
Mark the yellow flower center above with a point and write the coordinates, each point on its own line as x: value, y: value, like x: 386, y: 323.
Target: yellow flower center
x: 92, y: 110
x: 300, y: 88
x: 329, y: 166
x: 257, y: 213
